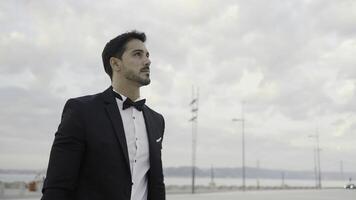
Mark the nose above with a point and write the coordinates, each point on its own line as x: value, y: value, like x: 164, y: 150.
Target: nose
x: 147, y: 62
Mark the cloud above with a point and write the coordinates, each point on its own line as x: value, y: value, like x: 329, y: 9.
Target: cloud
x: 291, y: 62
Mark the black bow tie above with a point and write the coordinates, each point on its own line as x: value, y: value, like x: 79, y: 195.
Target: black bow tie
x: 128, y: 102
x: 137, y: 104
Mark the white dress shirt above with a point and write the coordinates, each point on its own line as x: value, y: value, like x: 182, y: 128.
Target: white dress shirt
x: 137, y: 146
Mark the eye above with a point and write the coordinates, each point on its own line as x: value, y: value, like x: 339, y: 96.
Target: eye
x: 138, y: 54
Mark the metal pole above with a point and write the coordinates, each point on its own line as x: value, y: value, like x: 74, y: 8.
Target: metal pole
x: 194, y: 121
x: 317, y: 152
x: 243, y: 156
x: 319, y: 167
x: 315, y: 168
x: 257, y: 177
x: 242, y: 119
x: 193, y: 146
x: 243, y: 148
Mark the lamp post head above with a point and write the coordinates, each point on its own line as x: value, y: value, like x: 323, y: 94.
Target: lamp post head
x: 237, y: 120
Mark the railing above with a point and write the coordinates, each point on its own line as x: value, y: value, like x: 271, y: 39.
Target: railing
x: 20, y: 189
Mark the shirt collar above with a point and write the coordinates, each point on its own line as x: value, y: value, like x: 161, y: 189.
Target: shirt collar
x: 124, y: 97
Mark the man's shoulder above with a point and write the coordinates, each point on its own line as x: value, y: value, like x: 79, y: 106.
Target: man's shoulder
x: 86, y: 100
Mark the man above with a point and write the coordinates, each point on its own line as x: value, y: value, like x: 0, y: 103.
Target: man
x: 108, y: 145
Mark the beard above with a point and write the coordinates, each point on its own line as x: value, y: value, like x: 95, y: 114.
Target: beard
x: 131, y: 75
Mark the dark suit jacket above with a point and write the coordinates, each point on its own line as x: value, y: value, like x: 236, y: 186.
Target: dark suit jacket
x: 89, y: 158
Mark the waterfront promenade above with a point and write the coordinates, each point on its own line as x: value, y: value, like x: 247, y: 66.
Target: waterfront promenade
x: 327, y: 194
x: 324, y: 194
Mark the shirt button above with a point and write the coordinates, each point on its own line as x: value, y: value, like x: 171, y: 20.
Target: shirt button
x: 135, y: 160
x: 133, y: 117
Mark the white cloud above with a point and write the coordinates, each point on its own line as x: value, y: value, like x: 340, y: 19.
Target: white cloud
x: 292, y: 62
x: 341, y: 91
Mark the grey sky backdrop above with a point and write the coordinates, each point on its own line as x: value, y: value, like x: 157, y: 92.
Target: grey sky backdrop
x: 292, y: 61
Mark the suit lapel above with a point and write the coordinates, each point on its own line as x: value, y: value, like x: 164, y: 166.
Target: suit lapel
x: 155, y: 171
x: 116, y: 121
x: 150, y: 131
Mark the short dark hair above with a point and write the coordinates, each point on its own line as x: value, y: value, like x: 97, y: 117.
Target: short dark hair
x: 117, y: 46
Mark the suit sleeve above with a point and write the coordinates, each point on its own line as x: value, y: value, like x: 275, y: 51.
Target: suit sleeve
x: 66, y: 154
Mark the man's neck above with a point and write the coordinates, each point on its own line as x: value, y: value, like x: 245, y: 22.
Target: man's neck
x: 130, y: 91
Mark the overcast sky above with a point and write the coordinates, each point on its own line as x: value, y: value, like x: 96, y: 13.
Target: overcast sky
x: 292, y: 62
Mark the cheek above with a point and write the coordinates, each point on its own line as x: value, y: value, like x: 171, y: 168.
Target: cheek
x: 132, y: 64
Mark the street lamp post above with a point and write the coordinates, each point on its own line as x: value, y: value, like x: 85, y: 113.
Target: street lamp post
x: 194, y: 120
x: 242, y: 120
x: 315, y: 168
x: 317, y: 152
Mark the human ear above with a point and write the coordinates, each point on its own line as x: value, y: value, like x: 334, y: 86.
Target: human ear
x: 115, y: 64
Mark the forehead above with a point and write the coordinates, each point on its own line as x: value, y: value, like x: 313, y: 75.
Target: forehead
x: 135, y: 44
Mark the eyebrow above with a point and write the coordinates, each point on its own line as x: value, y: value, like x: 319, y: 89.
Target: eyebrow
x: 139, y: 50
x: 135, y: 50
